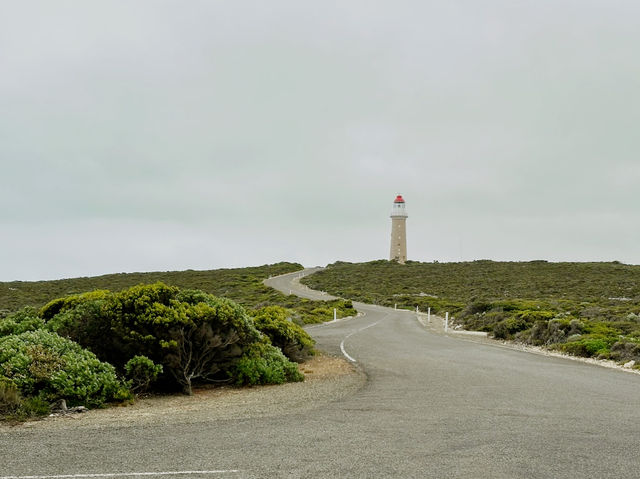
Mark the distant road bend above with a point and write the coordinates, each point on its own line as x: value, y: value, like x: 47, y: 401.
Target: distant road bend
x: 432, y: 406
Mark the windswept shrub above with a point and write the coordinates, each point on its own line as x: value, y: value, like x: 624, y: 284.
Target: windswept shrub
x: 195, y: 336
x: 264, y: 364
x: 189, y: 334
x: 295, y: 342
x: 43, y: 364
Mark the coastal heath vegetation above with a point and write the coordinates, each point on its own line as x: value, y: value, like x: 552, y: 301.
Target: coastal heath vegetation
x: 584, y: 309
x: 243, y: 285
x: 94, y: 341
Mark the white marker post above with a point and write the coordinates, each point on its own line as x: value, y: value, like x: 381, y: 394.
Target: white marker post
x: 417, y: 311
x: 429, y: 314
x: 395, y: 306
x: 335, y: 314
x: 446, y: 322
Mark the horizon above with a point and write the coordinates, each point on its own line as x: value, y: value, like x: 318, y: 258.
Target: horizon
x: 409, y: 261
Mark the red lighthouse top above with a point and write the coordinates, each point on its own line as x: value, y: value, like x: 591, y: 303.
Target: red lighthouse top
x: 399, y: 199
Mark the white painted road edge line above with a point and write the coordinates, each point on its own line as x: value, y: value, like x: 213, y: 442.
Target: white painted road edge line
x: 346, y: 355
x: 124, y: 474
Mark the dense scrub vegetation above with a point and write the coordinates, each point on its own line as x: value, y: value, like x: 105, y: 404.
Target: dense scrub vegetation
x: 242, y: 285
x: 101, y: 346
x: 586, y: 309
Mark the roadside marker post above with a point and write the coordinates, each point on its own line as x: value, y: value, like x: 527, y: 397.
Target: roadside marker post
x: 335, y: 314
x: 446, y: 322
x: 429, y: 314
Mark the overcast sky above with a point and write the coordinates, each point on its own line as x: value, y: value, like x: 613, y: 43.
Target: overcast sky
x: 166, y: 135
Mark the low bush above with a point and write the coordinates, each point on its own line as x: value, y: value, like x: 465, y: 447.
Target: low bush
x: 141, y: 372
x: 44, y: 365
x: 625, y: 351
x: 20, y: 322
x: 295, y: 342
x: 586, y: 347
x: 506, y: 328
x: 264, y: 364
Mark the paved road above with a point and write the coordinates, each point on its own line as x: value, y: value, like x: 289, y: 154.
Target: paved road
x: 433, y: 406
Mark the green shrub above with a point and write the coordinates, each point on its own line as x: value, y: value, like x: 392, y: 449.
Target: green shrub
x: 141, y: 372
x: 295, y: 342
x: 59, y: 305
x: 43, y: 364
x: 193, y: 335
x: 83, y: 319
x: 586, y: 347
x: 506, y: 328
x: 21, y: 321
x: 263, y: 363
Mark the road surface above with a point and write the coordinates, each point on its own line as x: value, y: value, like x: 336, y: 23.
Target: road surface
x: 433, y: 406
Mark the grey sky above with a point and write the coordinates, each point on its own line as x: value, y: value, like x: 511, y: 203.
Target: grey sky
x: 161, y: 135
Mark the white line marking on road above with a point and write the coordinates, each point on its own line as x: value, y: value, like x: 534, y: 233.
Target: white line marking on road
x: 124, y: 474
x: 346, y: 355
x: 347, y: 337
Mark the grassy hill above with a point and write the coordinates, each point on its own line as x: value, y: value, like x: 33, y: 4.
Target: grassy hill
x: 243, y: 285
x: 590, y: 309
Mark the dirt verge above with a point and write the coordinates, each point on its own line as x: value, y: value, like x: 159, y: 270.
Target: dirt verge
x: 327, y: 379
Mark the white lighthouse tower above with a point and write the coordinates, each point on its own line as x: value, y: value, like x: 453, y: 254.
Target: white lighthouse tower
x: 398, y: 231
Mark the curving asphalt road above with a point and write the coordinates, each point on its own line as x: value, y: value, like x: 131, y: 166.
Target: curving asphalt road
x: 433, y: 406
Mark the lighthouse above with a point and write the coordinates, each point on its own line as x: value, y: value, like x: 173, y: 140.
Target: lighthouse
x: 398, y: 231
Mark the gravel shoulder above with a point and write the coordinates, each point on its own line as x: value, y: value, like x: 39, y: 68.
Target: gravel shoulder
x: 327, y: 379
